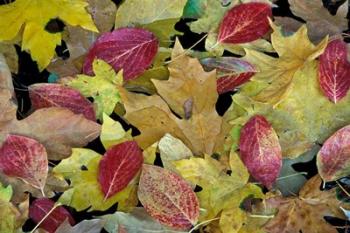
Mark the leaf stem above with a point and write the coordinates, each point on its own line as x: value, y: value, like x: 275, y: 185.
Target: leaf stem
x: 202, y: 223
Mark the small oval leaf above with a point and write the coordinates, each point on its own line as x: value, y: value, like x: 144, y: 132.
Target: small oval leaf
x: 333, y: 160
x: 168, y: 198
x: 260, y: 150
x: 232, y: 72
x: 334, y: 71
x: 118, y: 167
x: 44, y: 95
x: 245, y: 23
x: 130, y: 49
x: 41, y: 207
x: 24, y: 158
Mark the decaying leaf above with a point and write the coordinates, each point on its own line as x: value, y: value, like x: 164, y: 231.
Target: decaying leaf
x: 168, y: 198
x: 23, y: 13
x: 305, y: 213
x: 191, y: 93
x: 260, y: 150
x: 129, y: 49
x: 24, y: 158
x: 86, y: 226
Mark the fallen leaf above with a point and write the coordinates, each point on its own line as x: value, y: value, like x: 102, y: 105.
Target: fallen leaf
x: 137, y: 221
x: 42, y: 207
x: 332, y: 159
x: 191, y: 93
x: 122, y: 49
x: 334, y: 71
x: 26, y: 159
x: 260, y: 150
x: 119, y: 166
x: 245, y: 23
x: 232, y: 72
x: 276, y: 74
x: 46, y: 95
x: 85, y: 226
x: 20, y: 13
x: 168, y: 198
x: 157, y: 16
x: 102, y: 87
x: 306, y: 212
x: 320, y: 22
x: 10, y: 54
x: 85, y: 191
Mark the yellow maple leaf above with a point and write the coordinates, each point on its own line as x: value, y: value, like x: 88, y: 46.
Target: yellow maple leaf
x: 276, y: 74
x: 191, y: 93
x: 34, y: 15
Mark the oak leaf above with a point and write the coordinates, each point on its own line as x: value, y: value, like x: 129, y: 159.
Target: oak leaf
x: 191, y: 93
x: 26, y: 13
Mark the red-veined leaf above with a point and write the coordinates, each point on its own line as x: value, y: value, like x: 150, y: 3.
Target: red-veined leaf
x: 232, y: 72
x: 44, y: 95
x: 333, y: 160
x: 41, y: 207
x: 24, y: 158
x: 118, y: 167
x: 334, y: 71
x: 168, y: 198
x: 260, y: 150
x: 245, y: 23
x: 130, y: 49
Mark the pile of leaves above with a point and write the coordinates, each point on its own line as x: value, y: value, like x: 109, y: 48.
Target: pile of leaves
x: 126, y: 134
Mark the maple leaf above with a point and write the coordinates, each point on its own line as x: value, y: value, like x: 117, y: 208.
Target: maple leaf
x: 85, y: 190
x: 220, y: 191
x: 305, y: 117
x: 35, y: 16
x: 276, y: 74
x: 66, y: 128
x: 306, y: 212
x: 320, y: 22
x: 102, y: 87
x: 157, y: 16
x: 191, y: 94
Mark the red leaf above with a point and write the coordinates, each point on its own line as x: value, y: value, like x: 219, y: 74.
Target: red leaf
x: 130, y: 49
x: 245, y: 23
x: 118, y: 167
x: 46, y: 95
x: 333, y: 160
x: 24, y: 158
x: 41, y: 207
x: 168, y: 198
x: 232, y: 72
x: 334, y: 72
x: 260, y: 150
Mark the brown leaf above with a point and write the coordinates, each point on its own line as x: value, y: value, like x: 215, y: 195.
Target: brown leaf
x: 191, y: 93
x: 305, y: 213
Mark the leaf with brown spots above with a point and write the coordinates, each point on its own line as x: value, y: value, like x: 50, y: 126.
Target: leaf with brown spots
x: 306, y: 212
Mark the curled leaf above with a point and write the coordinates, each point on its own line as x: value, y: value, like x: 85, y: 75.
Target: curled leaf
x: 260, y: 150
